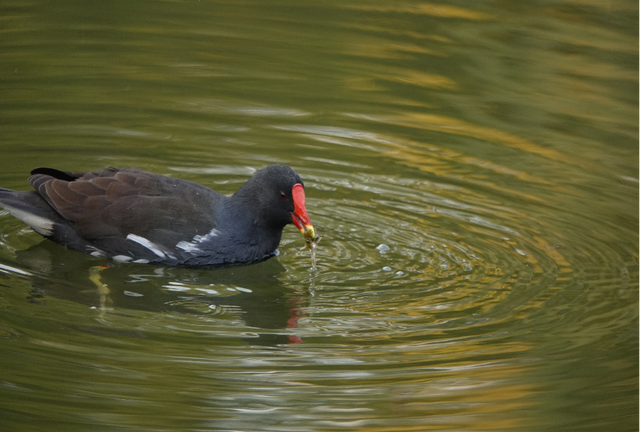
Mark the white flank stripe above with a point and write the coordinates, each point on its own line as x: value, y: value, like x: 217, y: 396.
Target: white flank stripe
x: 122, y: 258
x: 148, y: 244
x: 188, y: 247
x: 193, y: 245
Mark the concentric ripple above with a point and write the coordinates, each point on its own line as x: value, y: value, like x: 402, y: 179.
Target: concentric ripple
x: 446, y: 250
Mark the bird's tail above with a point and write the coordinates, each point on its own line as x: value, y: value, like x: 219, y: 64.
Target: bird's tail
x: 30, y: 208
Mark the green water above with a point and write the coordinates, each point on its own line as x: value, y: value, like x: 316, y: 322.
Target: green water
x: 473, y: 167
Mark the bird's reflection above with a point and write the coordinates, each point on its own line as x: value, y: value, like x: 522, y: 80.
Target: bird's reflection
x: 255, y: 292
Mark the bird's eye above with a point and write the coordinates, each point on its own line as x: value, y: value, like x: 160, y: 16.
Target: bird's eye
x: 283, y: 195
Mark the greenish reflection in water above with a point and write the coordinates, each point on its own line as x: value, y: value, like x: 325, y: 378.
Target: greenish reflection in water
x: 474, y: 168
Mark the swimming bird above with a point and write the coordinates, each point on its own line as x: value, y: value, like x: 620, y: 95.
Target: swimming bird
x: 131, y: 215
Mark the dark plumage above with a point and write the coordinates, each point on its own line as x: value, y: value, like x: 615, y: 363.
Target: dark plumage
x: 134, y: 215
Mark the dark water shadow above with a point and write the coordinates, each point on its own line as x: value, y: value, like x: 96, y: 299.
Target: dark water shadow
x: 253, y: 293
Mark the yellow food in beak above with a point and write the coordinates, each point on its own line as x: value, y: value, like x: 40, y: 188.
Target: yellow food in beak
x: 309, y: 232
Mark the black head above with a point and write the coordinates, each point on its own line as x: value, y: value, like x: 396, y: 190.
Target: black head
x: 269, y: 197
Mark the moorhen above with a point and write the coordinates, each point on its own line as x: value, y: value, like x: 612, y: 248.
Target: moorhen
x: 130, y: 215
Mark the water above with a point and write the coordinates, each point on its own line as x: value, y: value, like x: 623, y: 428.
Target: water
x: 473, y: 168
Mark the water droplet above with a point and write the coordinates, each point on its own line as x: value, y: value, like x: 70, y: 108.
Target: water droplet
x: 383, y: 248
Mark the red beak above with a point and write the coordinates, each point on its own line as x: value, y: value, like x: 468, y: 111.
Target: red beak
x: 299, y: 216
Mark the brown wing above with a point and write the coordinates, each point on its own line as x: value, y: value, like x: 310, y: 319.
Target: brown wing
x: 105, y: 206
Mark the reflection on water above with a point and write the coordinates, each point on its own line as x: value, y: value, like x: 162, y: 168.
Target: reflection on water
x: 473, y: 168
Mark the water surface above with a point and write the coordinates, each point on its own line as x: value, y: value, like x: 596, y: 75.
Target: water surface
x: 473, y: 168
